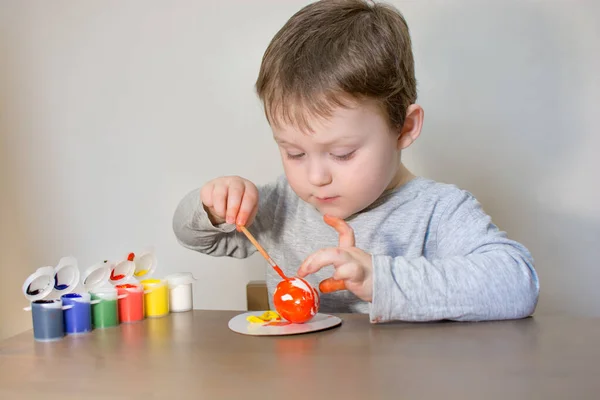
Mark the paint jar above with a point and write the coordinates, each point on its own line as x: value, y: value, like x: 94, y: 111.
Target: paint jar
x: 48, y: 320
x: 78, y: 319
x: 46, y: 314
x: 105, y: 312
x: 131, y: 302
x: 104, y: 296
x: 181, y: 296
x: 156, y: 298
x: 130, y: 292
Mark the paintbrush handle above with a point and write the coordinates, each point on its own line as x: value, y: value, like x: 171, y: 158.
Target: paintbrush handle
x: 262, y: 251
x: 257, y: 245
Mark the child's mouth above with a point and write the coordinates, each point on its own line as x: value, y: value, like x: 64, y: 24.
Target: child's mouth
x: 327, y: 199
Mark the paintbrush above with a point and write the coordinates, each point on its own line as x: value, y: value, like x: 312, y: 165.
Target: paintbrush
x: 262, y: 251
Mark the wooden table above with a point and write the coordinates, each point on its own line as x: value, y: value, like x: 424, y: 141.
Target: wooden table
x: 194, y: 355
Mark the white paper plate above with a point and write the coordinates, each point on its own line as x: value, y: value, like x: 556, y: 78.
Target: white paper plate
x: 319, y: 322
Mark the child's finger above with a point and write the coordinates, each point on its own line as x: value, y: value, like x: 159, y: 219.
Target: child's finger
x: 301, y: 273
x: 249, y: 203
x: 331, y: 285
x: 206, y: 195
x: 322, y: 258
x: 349, y: 271
x: 234, y: 200
x: 219, y: 199
x: 343, y: 229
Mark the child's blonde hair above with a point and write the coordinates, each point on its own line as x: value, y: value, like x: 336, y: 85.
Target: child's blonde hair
x: 336, y: 52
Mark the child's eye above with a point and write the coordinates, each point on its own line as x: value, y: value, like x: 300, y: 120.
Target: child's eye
x: 295, y: 156
x: 344, y: 157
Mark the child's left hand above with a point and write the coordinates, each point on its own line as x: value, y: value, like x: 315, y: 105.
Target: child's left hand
x: 352, y: 265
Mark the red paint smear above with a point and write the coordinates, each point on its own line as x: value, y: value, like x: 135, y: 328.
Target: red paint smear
x: 127, y: 286
x: 130, y: 257
x: 277, y: 323
x: 279, y: 271
x: 114, y: 277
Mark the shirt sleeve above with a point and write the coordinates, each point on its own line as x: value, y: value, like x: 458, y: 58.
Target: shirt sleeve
x: 194, y: 230
x: 476, y: 273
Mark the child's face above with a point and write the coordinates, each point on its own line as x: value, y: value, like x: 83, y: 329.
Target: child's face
x: 345, y: 164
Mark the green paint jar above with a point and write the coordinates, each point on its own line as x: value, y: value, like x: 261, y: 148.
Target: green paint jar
x: 105, y: 312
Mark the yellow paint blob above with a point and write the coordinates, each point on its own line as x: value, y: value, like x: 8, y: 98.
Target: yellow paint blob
x: 265, y: 317
x: 156, y: 298
x: 140, y: 273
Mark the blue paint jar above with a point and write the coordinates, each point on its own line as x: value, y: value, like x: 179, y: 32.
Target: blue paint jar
x: 46, y: 314
x: 77, y: 307
x: 78, y: 318
x: 45, y: 289
x: 48, y: 322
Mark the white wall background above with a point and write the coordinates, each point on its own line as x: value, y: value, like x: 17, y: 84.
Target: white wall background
x: 110, y: 111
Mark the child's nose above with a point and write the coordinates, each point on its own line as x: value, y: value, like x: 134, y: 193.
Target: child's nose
x: 318, y: 174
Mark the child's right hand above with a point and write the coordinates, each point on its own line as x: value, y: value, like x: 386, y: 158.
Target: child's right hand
x: 230, y: 199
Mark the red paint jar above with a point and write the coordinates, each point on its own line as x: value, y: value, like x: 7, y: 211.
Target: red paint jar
x: 131, y: 302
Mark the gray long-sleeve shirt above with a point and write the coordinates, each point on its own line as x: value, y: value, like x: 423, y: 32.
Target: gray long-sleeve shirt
x: 436, y: 254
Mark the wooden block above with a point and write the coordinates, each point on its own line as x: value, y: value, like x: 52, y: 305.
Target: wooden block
x: 257, y: 297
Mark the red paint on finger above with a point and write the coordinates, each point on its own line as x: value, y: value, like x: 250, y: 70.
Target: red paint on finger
x: 334, y: 222
x: 343, y: 229
x: 331, y: 285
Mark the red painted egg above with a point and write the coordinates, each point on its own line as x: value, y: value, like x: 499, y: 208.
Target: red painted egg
x: 296, y: 300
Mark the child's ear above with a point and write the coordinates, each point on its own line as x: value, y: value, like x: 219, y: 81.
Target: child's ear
x: 412, y: 126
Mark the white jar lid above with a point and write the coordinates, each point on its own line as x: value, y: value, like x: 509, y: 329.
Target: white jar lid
x: 66, y: 276
x: 179, y: 278
x: 122, y: 271
x: 97, y: 275
x: 145, y: 264
x: 39, y: 284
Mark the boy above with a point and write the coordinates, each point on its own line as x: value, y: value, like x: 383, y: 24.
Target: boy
x: 338, y: 86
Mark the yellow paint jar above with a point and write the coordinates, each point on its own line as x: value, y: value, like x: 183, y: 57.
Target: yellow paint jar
x: 156, y: 298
